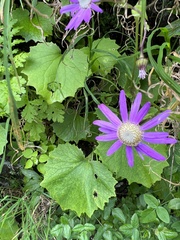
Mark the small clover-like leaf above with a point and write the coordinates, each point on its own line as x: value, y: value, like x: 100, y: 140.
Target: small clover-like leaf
x: 77, y: 183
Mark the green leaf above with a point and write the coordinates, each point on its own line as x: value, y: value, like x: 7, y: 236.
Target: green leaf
x: 39, y: 109
x: 34, y: 130
x: 27, y: 153
x: 145, y: 172
x: 176, y: 226
x: 17, y: 89
x: 177, y: 153
x: 77, y: 183
x: 118, y: 213
x: 107, y: 235
x: 109, y: 208
x: 135, y: 235
x: 20, y: 59
x: 43, y: 158
x: 9, y: 228
x: 151, y: 201
x: 160, y: 235
x: 57, y: 230
x: 173, y: 29
x: 105, y: 56
x: 3, y: 139
x: 47, y: 57
x: 85, y: 227
x: 169, y: 234
x: 165, y: 233
x: 28, y: 164
x: 174, y: 204
x: 55, y: 112
x: 71, y: 74
x: 57, y: 78
x: 38, y: 27
x: 148, y: 215
x: 89, y: 227
x: 66, y: 231
x: 73, y: 128
x: 41, y: 168
x: 163, y: 214
x: 135, y: 221
x: 29, y: 112
x: 126, y: 67
x: 127, y: 229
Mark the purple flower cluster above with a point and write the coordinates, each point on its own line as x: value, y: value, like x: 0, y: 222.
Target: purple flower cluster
x: 80, y: 10
x: 129, y: 132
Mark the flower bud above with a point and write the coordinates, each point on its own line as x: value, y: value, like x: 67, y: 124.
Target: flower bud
x: 141, y: 64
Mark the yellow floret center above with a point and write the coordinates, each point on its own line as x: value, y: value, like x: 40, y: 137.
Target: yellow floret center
x: 130, y: 134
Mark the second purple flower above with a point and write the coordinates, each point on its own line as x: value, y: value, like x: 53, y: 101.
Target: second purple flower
x: 80, y: 10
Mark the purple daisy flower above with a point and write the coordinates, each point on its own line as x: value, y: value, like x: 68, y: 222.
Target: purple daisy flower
x: 129, y: 132
x: 80, y: 10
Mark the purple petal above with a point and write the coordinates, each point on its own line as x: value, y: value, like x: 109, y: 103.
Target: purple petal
x: 105, y: 130
x: 156, y: 120
x: 123, y: 106
x: 87, y: 15
x: 140, y: 153
x: 69, y: 8
x: 156, y: 137
x: 114, y: 148
x: 130, y: 156
x: 105, y: 124
x: 155, y: 134
x: 148, y: 151
x: 142, y: 113
x: 160, y: 140
x: 96, y: 8
x: 80, y: 16
x: 71, y: 24
x: 75, y: 1
x: 107, y: 137
x: 135, y: 107
x: 109, y: 115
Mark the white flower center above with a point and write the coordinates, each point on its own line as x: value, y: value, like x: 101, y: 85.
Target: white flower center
x: 84, y: 3
x: 130, y: 134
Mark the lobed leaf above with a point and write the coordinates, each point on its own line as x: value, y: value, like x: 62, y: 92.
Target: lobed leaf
x: 55, y: 78
x: 77, y: 183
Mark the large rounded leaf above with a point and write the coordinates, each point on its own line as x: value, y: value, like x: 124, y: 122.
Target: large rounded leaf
x: 76, y: 182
